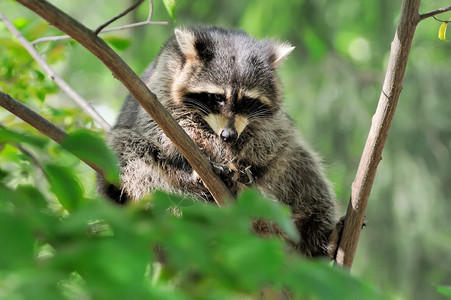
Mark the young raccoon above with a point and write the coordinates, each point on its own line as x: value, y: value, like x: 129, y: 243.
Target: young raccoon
x: 222, y: 88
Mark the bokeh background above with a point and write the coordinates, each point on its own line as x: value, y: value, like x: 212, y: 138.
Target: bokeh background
x: 332, y: 84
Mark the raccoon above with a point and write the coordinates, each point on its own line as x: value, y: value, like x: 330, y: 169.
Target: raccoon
x: 223, y: 89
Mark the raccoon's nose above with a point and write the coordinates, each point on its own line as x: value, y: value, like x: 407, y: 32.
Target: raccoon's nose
x: 229, y: 134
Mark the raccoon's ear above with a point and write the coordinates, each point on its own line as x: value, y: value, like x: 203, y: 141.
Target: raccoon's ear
x: 281, y: 51
x: 186, y: 40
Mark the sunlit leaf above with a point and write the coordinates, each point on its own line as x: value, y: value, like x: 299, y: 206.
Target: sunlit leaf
x: 92, y: 148
x: 120, y: 43
x: 21, y: 22
x: 442, y: 31
x: 170, y: 7
x: 444, y: 290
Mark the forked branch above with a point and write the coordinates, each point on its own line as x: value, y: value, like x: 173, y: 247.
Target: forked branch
x: 372, y: 152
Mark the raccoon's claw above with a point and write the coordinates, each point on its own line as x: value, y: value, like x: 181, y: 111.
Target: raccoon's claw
x: 222, y: 170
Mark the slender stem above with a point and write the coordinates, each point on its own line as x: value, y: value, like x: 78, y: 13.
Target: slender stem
x: 434, y: 13
x: 67, y: 37
x: 372, y: 152
x: 441, y: 20
x: 138, y: 90
x: 149, y: 16
x: 134, y: 6
x: 56, y: 78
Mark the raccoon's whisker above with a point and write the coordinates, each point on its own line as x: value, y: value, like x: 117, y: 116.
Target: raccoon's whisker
x: 197, y: 105
x: 260, y: 113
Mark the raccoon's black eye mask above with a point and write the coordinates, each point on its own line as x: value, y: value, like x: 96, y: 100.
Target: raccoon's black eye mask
x: 205, y: 102
x: 209, y: 103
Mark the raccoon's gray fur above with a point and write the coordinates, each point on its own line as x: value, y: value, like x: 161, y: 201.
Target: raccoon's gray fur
x: 222, y: 88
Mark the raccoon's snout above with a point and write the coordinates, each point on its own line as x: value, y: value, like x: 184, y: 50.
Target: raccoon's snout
x: 229, y: 135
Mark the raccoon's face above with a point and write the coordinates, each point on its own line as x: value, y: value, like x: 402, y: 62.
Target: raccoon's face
x: 228, y: 77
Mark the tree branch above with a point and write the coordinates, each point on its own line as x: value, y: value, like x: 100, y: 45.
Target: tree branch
x: 434, y: 13
x: 139, y: 90
x: 41, y: 124
x: 55, y: 77
x: 118, y: 16
x: 128, y: 26
x: 372, y: 153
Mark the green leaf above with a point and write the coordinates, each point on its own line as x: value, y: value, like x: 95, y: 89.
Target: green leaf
x: 21, y: 23
x: 8, y: 136
x: 17, y: 241
x: 65, y: 186
x: 170, y: 7
x: 117, y: 42
x: 92, y: 148
x: 257, y: 206
x: 444, y: 290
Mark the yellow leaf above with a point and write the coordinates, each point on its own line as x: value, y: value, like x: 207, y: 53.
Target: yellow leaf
x: 442, y: 31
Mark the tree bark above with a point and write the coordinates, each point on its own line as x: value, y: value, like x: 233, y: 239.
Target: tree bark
x: 372, y: 153
x: 138, y: 89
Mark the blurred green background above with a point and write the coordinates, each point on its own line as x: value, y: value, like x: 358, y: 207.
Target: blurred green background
x: 332, y: 84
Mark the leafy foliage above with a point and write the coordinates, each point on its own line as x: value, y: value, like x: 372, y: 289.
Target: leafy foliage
x: 146, y: 250
x: 332, y: 83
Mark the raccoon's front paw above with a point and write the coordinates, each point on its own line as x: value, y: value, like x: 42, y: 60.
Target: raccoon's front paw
x: 228, y: 174
x: 224, y: 171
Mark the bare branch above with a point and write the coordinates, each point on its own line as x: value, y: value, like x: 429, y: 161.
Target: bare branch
x: 138, y: 90
x: 149, y: 16
x: 127, y: 26
x: 55, y: 77
x: 372, y: 153
x: 32, y: 118
x: 138, y: 3
x: 38, y: 122
x: 434, y: 13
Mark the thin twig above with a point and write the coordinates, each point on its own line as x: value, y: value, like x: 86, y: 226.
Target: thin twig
x: 149, y: 16
x: 44, y: 126
x: 139, y: 91
x: 434, y: 13
x: 128, y: 26
x: 56, y: 78
x: 125, y: 12
x: 441, y: 20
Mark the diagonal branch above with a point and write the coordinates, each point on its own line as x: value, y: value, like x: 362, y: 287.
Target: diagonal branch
x: 41, y: 124
x: 434, y: 13
x: 56, y: 78
x: 138, y: 90
x: 372, y: 153
x: 127, y: 26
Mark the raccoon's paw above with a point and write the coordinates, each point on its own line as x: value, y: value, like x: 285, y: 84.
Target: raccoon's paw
x: 224, y: 171
x: 334, y: 238
x: 229, y: 175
